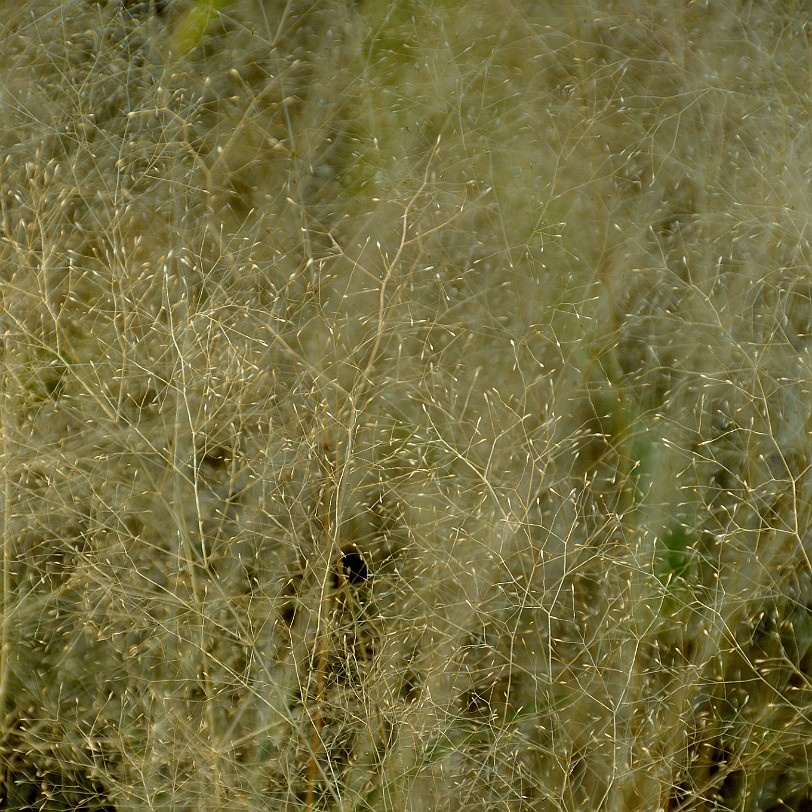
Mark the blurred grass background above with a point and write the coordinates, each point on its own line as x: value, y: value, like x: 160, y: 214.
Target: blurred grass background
x: 405, y: 405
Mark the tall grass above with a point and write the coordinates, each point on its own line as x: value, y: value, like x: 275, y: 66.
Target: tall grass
x: 405, y: 405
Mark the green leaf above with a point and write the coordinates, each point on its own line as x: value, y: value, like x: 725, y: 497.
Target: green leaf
x: 192, y: 28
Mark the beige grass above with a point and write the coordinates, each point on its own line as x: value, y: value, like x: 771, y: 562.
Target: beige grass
x: 405, y: 406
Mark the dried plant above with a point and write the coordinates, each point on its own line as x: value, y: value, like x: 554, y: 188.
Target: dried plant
x: 405, y: 405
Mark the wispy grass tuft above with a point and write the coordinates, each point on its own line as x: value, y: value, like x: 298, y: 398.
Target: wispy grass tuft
x: 405, y: 406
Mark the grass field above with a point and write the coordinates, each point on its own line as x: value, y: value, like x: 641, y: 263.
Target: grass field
x: 405, y: 405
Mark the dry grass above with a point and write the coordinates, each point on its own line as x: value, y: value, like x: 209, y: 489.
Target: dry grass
x: 405, y: 405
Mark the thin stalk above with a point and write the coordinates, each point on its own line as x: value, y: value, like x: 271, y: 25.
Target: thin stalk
x: 5, y: 643
x: 329, y: 529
